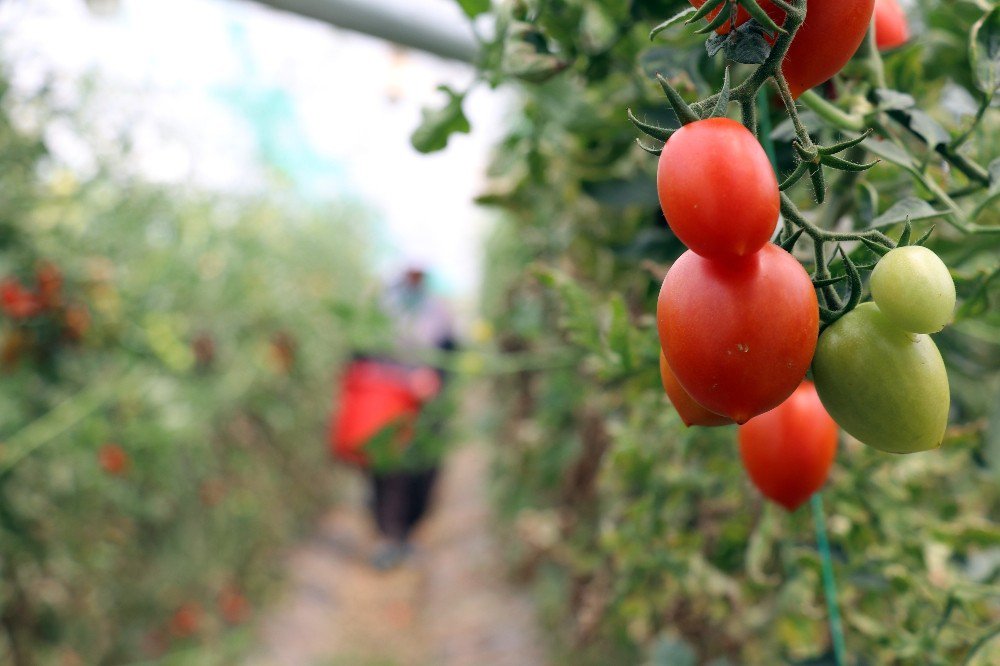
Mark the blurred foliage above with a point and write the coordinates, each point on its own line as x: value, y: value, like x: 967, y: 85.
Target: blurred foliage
x: 163, y: 412
x: 645, y: 539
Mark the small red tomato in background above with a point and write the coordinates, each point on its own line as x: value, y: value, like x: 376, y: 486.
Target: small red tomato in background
x: 788, y: 451
x: 691, y: 412
x: 717, y: 188
x: 891, y: 27
x: 740, y: 334
x: 233, y: 606
x: 17, y: 301
x: 186, y: 620
x: 113, y: 459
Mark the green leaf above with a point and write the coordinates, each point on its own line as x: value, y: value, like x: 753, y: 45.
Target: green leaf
x: 993, y: 193
x: 618, y: 333
x: 923, y: 126
x: 908, y: 208
x: 892, y: 100
x: 526, y: 55
x: 748, y: 44
x: 474, y: 8
x: 673, y: 20
x: 439, y: 124
x: 984, y: 51
x: 889, y: 151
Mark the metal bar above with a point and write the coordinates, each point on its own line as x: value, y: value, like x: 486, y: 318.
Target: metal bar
x: 412, y: 26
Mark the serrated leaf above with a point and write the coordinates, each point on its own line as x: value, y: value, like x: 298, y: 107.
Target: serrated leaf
x: 474, y: 8
x: 673, y: 20
x: 984, y: 51
x: 438, y: 125
x: 910, y: 208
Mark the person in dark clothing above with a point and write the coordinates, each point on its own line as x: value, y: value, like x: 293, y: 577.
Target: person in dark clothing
x: 422, y: 323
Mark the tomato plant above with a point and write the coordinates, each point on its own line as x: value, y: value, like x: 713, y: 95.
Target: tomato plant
x: 891, y: 27
x: 717, y: 189
x: 913, y: 289
x: 649, y: 542
x: 739, y: 335
x: 788, y: 451
x: 691, y: 412
x: 884, y: 386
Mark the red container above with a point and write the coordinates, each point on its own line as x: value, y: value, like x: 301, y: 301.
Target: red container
x: 373, y: 395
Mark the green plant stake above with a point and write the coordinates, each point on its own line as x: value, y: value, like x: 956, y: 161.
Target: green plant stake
x: 829, y: 582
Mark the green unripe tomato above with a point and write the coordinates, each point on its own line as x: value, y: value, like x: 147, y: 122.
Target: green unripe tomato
x: 912, y: 287
x: 886, y: 387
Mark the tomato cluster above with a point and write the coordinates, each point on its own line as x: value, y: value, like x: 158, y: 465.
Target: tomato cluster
x: 40, y: 316
x: 832, y: 32
x: 737, y: 316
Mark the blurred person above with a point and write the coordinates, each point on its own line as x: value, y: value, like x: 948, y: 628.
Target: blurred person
x: 392, y: 412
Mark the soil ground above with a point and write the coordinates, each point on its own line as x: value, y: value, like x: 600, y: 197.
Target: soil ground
x: 449, y: 605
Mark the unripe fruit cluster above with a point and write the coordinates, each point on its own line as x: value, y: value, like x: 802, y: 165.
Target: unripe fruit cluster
x: 877, y: 371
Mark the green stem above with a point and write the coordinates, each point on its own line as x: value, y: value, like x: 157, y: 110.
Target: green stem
x: 829, y: 582
x: 830, y: 113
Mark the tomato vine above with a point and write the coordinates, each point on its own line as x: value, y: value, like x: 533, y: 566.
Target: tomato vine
x: 812, y: 158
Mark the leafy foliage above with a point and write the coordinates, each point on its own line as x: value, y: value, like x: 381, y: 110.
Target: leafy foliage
x: 646, y: 537
x: 154, y: 464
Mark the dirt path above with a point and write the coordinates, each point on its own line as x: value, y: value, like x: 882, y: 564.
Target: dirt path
x: 449, y: 606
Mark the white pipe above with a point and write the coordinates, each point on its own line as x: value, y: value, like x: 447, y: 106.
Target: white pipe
x: 413, y: 24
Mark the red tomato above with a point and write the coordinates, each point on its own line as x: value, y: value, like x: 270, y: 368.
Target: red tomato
x: 717, y: 189
x: 186, y: 620
x: 740, y: 334
x: 832, y: 32
x: 891, y: 28
x: 113, y: 459
x: 741, y: 15
x: 788, y: 451
x: 691, y: 412
x: 17, y: 301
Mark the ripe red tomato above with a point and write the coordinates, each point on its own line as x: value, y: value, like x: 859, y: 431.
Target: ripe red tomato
x: 891, y: 27
x: 17, y: 301
x: 717, y: 188
x: 832, y: 32
x: 186, y: 620
x: 113, y: 459
x: 691, y: 412
x: 741, y: 15
x: 788, y: 451
x: 739, y: 334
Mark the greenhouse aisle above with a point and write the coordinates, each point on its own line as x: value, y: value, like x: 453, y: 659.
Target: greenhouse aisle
x: 449, y: 606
